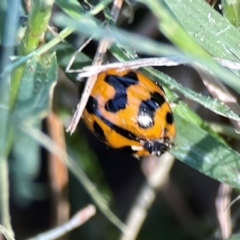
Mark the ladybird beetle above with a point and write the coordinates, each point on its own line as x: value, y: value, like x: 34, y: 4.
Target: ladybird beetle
x: 128, y: 111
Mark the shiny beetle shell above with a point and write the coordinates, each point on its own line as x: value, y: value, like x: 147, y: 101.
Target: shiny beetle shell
x: 126, y: 110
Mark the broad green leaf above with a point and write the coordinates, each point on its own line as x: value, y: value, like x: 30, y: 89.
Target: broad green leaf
x: 24, y: 169
x: 72, y: 8
x: 203, y: 31
x: 207, y: 27
x: 32, y: 106
x: 77, y: 11
x: 39, y: 78
x: 200, y: 150
x: 231, y: 10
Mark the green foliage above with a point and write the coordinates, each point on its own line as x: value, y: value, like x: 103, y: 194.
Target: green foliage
x: 34, y: 96
x: 198, y: 33
x: 231, y: 11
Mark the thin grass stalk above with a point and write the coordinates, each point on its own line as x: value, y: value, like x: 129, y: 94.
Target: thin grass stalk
x: 37, y: 24
x: 8, y: 41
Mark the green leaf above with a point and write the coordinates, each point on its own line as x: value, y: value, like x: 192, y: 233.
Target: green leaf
x: 38, y: 80
x: 231, y: 10
x: 37, y: 24
x: 24, y: 169
x: 76, y: 11
x: 200, y: 150
x: 207, y: 28
x: 33, y: 102
x: 71, y: 7
x: 202, y: 30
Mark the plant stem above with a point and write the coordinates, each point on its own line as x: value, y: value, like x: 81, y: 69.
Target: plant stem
x: 46, y: 47
x: 37, y: 24
x: 8, y: 42
x: 4, y: 199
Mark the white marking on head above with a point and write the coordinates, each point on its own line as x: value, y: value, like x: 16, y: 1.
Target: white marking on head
x: 137, y: 148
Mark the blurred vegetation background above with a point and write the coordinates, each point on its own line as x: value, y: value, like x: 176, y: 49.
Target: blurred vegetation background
x: 43, y: 169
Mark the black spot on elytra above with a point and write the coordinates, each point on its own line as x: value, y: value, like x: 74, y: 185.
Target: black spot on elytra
x: 116, y: 104
x: 169, y: 118
x: 132, y: 75
x: 120, y: 84
x: 99, y: 131
x: 157, y: 98
x: 92, y: 105
x: 92, y: 108
x: 160, y: 86
x: 123, y: 132
x: 147, y: 110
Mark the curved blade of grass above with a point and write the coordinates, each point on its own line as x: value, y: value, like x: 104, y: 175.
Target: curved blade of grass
x: 231, y: 10
x: 211, y: 103
x: 151, y: 47
x: 73, y: 12
x: 71, y: 7
x: 76, y: 11
x: 86, y: 27
x: 198, y: 41
x: 43, y: 49
x: 207, y: 27
x: 52, y: 147
x: 197, y: 148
